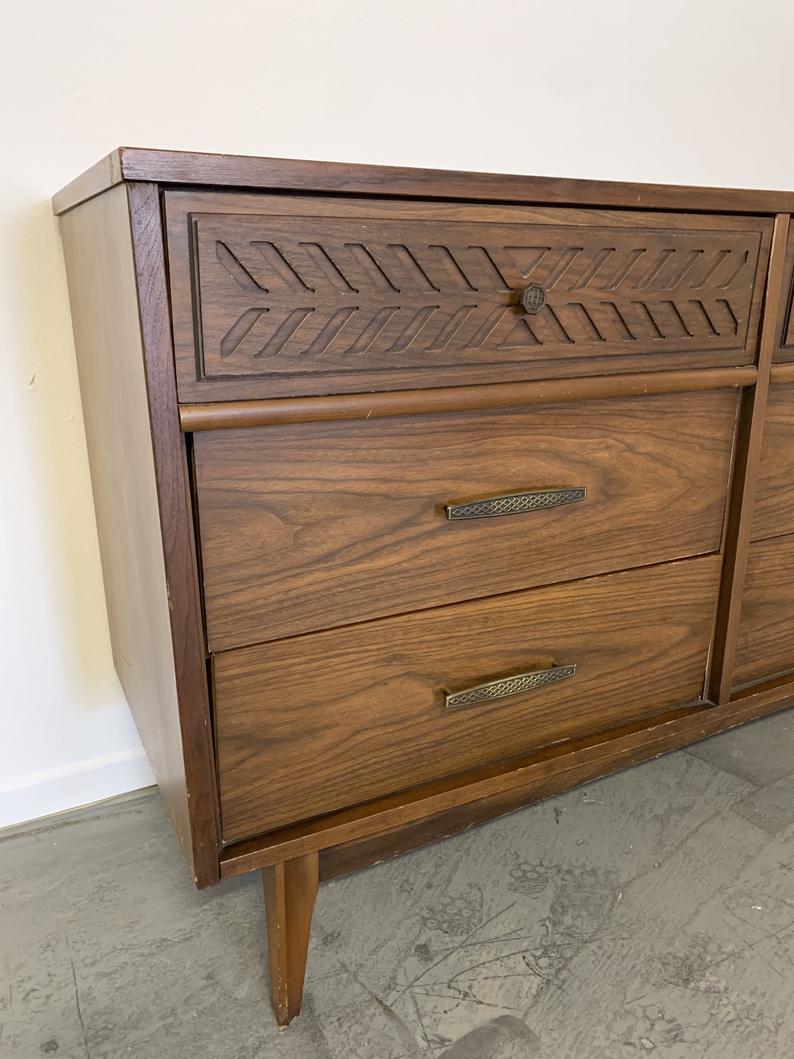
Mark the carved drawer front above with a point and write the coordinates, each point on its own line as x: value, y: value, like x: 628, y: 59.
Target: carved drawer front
x: 766, y: 643
x: 309, y: 526
x: 315, y: 723
x: 278, y: 295
x: 774, y: 502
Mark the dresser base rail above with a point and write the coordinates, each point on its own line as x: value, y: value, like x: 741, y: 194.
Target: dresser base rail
x: 481, y: 794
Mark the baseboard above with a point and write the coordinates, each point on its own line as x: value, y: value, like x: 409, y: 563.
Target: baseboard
x: 80, y: 783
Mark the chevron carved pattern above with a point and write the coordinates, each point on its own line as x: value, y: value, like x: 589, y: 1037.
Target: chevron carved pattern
x: 308, y: 294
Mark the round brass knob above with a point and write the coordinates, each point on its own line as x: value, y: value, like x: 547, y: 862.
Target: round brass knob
x: 533, y: 298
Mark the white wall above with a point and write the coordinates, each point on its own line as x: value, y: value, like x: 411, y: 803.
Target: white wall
x: 690, y: 91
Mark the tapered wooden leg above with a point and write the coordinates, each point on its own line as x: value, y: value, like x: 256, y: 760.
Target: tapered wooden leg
x: 290, y: 892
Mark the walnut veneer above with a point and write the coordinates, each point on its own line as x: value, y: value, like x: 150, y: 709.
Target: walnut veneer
x: 424, y: 495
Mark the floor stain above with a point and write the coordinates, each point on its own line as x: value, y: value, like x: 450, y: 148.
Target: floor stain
x: 504, y: 1037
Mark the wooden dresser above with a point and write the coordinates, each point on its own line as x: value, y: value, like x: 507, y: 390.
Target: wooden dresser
x: 425, y: 495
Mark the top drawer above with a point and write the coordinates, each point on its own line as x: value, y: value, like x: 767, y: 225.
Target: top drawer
x: 274, y: 295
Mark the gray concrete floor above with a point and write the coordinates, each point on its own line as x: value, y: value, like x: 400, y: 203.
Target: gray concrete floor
x: 652, y: 911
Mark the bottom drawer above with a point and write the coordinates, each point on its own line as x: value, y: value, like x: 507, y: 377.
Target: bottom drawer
x: 330, y: 719
x: 766, y: 631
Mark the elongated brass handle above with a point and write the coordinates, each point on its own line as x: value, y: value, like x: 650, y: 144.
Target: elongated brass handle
x: 506, y: 686
x: 516, y: 503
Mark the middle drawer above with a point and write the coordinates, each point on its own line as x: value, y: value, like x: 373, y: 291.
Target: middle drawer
x: 310, y: 526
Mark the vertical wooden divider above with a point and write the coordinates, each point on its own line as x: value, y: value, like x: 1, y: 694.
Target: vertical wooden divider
x: 750, y: 429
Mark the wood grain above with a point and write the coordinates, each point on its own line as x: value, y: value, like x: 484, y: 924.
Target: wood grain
x: 298, y: 737
x: 774, y: 503
x: 271, y: 174
x: 290, y: 892
x: 745, y: 476
x: 275, y: 296
x: 309, y: 527
x: 221, y: 415
x: 765, y: 645
x: 106, y: 262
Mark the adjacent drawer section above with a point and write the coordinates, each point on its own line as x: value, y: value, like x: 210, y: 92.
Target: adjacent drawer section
x: 785, y: 329
x: 279, y: 295
x: 311, y: 526
x: 774, y: 502
x: 766, y: 633
x: 312, y: 724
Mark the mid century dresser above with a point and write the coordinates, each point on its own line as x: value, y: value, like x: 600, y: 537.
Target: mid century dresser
x: 424, y: 495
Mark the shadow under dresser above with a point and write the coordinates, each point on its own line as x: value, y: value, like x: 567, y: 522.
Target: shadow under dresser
x: 424, y: 495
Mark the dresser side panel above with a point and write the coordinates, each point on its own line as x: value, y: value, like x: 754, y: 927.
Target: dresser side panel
x: 105, y: 317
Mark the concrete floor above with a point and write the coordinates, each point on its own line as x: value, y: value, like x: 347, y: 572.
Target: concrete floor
x: 652, y: 911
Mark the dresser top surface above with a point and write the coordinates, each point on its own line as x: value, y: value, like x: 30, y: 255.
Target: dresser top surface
x: 187, y: 168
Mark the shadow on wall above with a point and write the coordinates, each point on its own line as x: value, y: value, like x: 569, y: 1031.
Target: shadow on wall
x: 54, y: 558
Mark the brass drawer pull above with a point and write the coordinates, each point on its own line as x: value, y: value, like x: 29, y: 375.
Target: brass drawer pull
x: 506, y: 686
x: 516, y: 503
x: 532, y: 299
